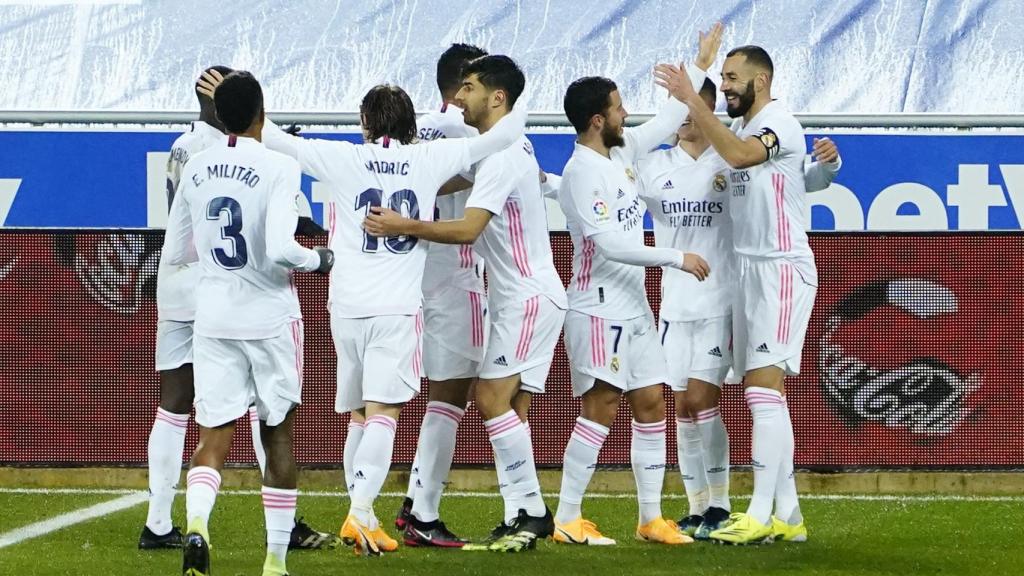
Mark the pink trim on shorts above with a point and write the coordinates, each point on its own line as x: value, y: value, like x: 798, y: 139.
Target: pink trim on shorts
x: 417, y: 356
x: 526, y: 333
x: 597, y: 341
x: 476, y: 321
x: 785, y: 304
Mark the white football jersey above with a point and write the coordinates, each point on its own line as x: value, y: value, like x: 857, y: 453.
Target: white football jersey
x: 376, y: 276
x: 235, y: 213
x: 449, y: 264
x: 515, y: 243
x: 688, y: 201
x: 768, y: 204
x: 175, y: 285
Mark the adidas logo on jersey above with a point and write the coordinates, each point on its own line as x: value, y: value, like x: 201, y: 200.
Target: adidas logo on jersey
x: 620, y: 194
x: 716, y: 352
x: 500, y: 361
x: 359, y: 475
x: 763, y: 348
x: 668, y: 185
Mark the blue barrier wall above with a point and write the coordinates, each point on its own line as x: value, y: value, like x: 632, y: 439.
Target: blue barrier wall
x: 891, y: 181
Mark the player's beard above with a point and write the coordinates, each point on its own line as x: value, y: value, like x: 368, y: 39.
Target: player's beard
x: 744, y: 101
x: 610, y: 136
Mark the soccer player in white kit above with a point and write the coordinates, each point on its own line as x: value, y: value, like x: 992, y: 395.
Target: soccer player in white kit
x: 505, y: 215
x: 176, y: 313
x: 235, y: 215
x: 454, y: 327
x: 777, y: 279
x: 375, y: 297
x: 610, y: 335
x: 685, y: 188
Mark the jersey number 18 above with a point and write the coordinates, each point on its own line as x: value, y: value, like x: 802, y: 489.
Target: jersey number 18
x: 404, y: 202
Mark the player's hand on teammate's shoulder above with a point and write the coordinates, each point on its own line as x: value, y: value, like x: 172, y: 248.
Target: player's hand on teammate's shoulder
x: 825, y: 150
x: 326, y: 259
x: 696, y: 265
x: 708, y: 45
x: 385, y: 222
x: 208, y: 82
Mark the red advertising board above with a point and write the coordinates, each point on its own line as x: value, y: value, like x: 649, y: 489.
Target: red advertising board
x: 913, y: 358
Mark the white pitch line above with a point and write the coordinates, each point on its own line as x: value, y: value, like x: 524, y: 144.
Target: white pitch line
x: 623, y: 496
x: 71, y: 518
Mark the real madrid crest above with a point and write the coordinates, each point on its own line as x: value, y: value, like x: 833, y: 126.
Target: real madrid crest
x: 720, y: 183
x: 615, y: 364
x: 630, y: 175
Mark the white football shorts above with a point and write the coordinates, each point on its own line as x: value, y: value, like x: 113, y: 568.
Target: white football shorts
x: 379, y: 360
x: 522, y: 341
x: 230, y: 374
x: 455, y: 330
x: 697, y: 349
x: 624, y: 353
x: 173, y: 344
x: 770, y: 315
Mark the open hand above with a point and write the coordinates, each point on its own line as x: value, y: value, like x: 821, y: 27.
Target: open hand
x: 675, y: 80
x: 696, y: 265
x: 208, y: 82
x: 709, y: 44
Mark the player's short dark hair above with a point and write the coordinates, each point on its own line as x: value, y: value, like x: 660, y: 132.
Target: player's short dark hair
x: 755, y: 55
x: 708, y: 90
x: 387, y: 111
x: 239, y: 101
x: 224, y: 71
x: 586, y: 97
x: 451, y: 63
x: 498, y: 72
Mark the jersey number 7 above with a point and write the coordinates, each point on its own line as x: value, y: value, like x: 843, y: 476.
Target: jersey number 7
x: 404, y: 202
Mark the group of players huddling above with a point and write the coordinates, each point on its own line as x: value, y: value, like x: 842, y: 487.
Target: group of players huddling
x: 414, y: 215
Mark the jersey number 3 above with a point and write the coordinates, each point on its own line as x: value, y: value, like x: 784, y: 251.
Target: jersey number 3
x: 232, y: 231
x: 404, y: 202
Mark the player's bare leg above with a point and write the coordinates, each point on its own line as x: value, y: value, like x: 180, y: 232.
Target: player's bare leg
x: 599, y: 407
x: 513, y: 454
x: 165, y: 449
x: 647, y: 457
x: 420, y: 511
x: 371, y: 464
x: 279, y: 492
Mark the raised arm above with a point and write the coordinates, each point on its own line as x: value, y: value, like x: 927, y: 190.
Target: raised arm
x: 663, y: 125
x: 318, y: 158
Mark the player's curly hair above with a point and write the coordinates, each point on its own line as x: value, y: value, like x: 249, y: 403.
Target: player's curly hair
x: 387, y: 110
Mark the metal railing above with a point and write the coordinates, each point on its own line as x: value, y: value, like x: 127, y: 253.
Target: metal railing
x: 556, y: 119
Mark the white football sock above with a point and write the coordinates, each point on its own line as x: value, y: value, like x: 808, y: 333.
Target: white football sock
x: 691, y: 465
x: 766, y: 450
x: 512, y: 447
x: 715, y: 443
x: 414, y: 471
x: 647, y: 456
x: 257, y: 441
x: 578, y: 467
x: 372, y: 462
x: 436, y: 449
x: 279, y: 513
x: 352, y: 439
x: 787, y: 504
x: 203, y: 483
x: 166, y: 445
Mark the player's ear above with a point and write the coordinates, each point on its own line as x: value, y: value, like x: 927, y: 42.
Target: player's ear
x: 597, y: 121
x: 498, y: 98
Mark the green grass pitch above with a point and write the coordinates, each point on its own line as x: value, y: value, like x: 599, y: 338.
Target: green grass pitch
x: 847, y: 537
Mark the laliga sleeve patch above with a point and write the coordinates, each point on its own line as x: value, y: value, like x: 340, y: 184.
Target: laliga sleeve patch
x: 770, y: 141
x: 601, y: 212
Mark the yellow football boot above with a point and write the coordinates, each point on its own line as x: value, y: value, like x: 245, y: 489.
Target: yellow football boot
x: 743, y: 529
x: 580, y: 531
x: 787, y: 532
x: 662, y: 531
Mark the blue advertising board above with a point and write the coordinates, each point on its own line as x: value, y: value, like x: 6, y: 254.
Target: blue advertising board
x: 889, y: 180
